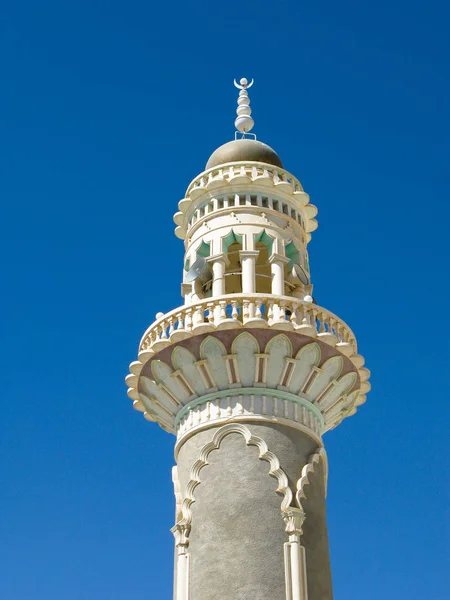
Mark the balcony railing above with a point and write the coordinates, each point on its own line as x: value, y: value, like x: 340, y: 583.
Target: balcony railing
x: 251, y: 311
x: 239, y: 170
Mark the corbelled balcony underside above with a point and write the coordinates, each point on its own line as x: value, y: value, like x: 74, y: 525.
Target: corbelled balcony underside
x: 248, y: 356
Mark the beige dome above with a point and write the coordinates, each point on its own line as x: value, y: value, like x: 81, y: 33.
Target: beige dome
x: 244, y: 150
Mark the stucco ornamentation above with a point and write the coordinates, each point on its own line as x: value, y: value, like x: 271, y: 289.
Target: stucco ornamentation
x: 195, y: 388
x: 177, y: 492
x: 264, y: 454
x: 308, y: 469
x: 294, y: 556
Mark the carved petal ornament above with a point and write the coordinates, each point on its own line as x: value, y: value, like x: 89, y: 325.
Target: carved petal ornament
x: 191, y: 388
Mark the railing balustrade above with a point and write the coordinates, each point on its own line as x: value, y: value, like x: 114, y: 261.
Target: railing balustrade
x: 251, y: 310
x: 279, y: 176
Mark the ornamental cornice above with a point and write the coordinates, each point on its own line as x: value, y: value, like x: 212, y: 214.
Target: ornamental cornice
x: 254, y: 419
x: 239, y: 175
x: 278, y: 258
x: 247, y: 405
x: 252, y: 391
x: 243, y: 172
x: 248, y: 253
x: 237, y: 375
x: 217, y: 258
x: 244, y: 217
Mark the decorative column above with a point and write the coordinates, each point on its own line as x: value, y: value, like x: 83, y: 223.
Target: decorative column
x: 277, y: 262
x: 294, y: 556
x: 181, y: 534
x: 218, y: 262
x: 248, y: 262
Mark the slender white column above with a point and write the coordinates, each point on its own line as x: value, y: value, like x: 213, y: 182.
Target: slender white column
x: 277, y: 263
x: 218, y: 263
x: 248, y: 262
x: 181, y: 534
x: 294, y: 556
x: 182, y: 582
x: 218, y: 286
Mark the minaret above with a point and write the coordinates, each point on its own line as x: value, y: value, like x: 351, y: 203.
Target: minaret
x: 248, y: 374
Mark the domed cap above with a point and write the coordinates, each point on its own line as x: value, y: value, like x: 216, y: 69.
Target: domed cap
x: 244, y: 150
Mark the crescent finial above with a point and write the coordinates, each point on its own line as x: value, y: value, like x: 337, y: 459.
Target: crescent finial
x: 243, y: 84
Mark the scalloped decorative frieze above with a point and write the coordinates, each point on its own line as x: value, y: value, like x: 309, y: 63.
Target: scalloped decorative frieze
x: 247, y: 174
x: 195, y: 388
x: 264, y: 454
x: 307, y: 471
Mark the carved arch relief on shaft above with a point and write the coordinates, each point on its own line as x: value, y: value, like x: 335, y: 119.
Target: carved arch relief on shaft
x: 294, y: 552
x: 183, y: 505
x: 182, y: 528
x: 264, y: 454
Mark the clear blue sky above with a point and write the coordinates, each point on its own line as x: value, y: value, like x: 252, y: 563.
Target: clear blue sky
x: 107, y: 111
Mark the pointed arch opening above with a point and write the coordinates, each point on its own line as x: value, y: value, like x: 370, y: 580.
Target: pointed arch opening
x: 204, y: 250
x: 264, y: 245
x: 232, y: 245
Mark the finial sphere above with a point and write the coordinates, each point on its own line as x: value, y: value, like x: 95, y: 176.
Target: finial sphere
x: 243, y: 84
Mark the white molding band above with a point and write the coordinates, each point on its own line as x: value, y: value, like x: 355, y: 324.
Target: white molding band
x: 265, y: 403
x: 248, y: 419
x: 251, y: 392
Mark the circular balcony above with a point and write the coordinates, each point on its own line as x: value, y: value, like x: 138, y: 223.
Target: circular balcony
x: 309, y: 383
x: 251, y: 311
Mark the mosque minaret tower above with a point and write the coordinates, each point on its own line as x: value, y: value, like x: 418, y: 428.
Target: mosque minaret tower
x: 248, y: 374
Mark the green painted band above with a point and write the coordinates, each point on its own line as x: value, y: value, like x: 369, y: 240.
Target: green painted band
x: 251, y: 392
